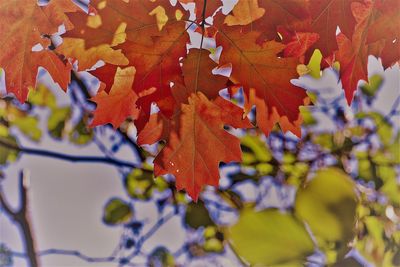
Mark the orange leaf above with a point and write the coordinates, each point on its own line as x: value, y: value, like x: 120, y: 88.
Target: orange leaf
x: 75, y: 48
x: 136, y: 21
x: 258, y: 67
x: 245, y: 12
x: 353, y: 53
x: 197, y: 143
x: 23, y: 24
x: 115, y: 107
x: 197, y: 73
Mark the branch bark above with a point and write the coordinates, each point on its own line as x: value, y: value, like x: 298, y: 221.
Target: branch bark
x: 21, y: 218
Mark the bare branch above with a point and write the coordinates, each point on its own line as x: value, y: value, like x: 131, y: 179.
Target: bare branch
x: 20, y: 217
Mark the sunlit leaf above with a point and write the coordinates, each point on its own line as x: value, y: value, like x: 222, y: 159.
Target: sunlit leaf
x: 328, y: 205
x: 270, y: 237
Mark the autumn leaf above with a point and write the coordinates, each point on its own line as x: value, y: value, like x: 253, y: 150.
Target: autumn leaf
x: 326, y: 17
x: 116, y: 21
x: 197, y: 143
x: 197, y: 73
x: 158, y: 65
x: 264, y: 76
x: 152, y: 37
x: 74, y: 48
x: 386, y: 26
x: 120, y: 103
x: 353, y: 53
x: 297, y: 43
x: 291, y: 14
x: 244, y: 12
x: 23, y: 28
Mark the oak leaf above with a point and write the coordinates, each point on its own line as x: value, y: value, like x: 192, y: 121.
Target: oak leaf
x: 353, y: 53
x: 386, y: 26
x: 21, y: 29
x: 290, y: 14
x: 326, y: 17
x: 264, y: 76
x: 138, y: 21
x: 244, y: 12
x: 75, y: 48
x: 196, y: 142
x: 120, y: 103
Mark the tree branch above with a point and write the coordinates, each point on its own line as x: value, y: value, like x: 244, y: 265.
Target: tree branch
x: 71, y: 158
x: 20, y: 217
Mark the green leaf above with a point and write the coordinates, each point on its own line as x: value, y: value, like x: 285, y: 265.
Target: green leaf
x: 160, y: 257
x: 213, y: 240
x: 116, y: 211
x: 42, y: 97
x: 254, y: 150
x: 306, y: 114
x: 325, y: 140
x: 315, y: 64
x: 374, y: 82
x: 270, y: 237
x: 197, y: 215
x: 328, y: 205
x: 81, y: 134
x: 28, y: 126
x: 139, y: 184
x: 57, y: 120
x: 8, y: 155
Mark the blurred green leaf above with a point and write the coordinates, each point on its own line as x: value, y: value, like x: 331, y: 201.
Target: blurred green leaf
x: 28, y: 125
x: 116, y: 211
x: 374, y: 83
x: 139, y: 184
x: 6, y: 154
x: 42, y: 97
x: 213, y: 240
x: 270, y: 237
x: 81, y: 134
x: 197, y: 215
x: 307, y: 116
x: 160, y: 257
x: 264, y: 168
x: 325, y: 140
x: 315, y: 64
x: 328, y: 205
x: 254, y: 150
x: 57, y: 120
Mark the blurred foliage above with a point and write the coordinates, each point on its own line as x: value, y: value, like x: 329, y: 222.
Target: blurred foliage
x: 291, y: 202
x: 270, y: 237
x: 116, y: 211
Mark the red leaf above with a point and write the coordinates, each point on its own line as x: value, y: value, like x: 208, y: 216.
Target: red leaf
x: 264, y: 76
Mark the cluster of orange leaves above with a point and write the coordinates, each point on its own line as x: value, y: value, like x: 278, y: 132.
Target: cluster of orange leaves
x: 143, y: 44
